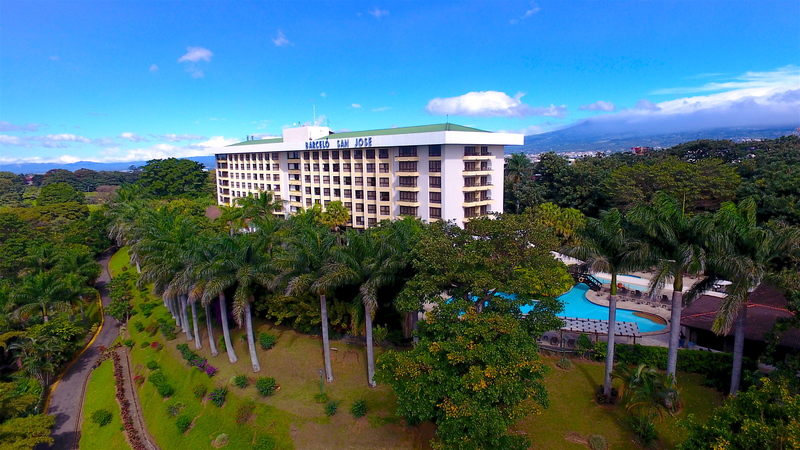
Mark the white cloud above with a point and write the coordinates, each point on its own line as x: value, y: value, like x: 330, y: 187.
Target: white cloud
x: 355, y: 106
x: 7, y: 126
x: 382, y: 108
x: 646, y: 105
x: 133, y: 137
x: 57, y: 140
x: 281, y: 40
x: 378, y: 13
x: 788, y: 76
x: 195, y: 54
x: 178, y: 137
x: 323, y: 95
x: 490, y: 104
x: 153, y: 68
x: 320, y: 120
x: 598, y: 106
x: 13, y: 141
x: 534, y: 8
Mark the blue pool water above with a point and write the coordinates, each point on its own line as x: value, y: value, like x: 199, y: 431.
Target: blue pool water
x: 576, y: 305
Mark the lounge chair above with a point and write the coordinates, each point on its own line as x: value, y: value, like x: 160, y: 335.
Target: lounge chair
x: 571, y: 343
x: 554, y: 341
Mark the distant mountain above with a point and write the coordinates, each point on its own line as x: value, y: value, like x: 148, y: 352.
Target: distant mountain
x: 28, y: 168
x: 589, y: 137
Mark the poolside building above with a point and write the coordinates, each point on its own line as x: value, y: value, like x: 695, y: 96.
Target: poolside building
x: 434, y: 172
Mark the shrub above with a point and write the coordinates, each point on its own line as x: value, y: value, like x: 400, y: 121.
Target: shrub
x: 241, y: 381
x: 156, y: 346
x: 144, y: 344
x: 564, y: 364
x: 244, y: 412
x: 165, y: 390
x: 359, y: 408
x: 199, y: 391
x: 102, y: 417
x: 158, y: 378
x: 128, y: 343
x: 331, y: 407
x: 147, y: 309
x: 183, y: 423
x: 168, y: 331
x: 221, y: 345
x: 321, y: 398
x: 265, y: 386
x: 597, y: 442
x: 152, y: 365
x: 644, y: 428
x: 379, y: 334
x: 175, y: 408
x: 221, y: 440
x: 264, y: 442
x: 267, y: 341
x: 217, y: 396
x: 138, y: 326
x: 151, y: 329
x: 584, y: 344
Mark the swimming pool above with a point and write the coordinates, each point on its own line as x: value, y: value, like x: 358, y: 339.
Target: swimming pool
x: 576, y: 305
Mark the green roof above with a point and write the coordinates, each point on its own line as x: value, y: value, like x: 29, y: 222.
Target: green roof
x: 404, y: 130
x: 260, y: 141
x: 383, y: 132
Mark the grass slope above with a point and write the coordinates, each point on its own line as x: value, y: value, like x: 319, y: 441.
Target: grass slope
x: 100, y: 394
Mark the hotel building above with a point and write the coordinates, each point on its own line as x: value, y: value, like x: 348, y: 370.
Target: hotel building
x: 433, y: 172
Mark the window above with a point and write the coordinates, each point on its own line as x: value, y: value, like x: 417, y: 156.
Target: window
x: 335, y: 154
x: 261, y: 176
x: 359, y: 220
x: 359, y: 181
x: 308, y: 190
x: 276, y: 177
x: 410, y: 166
x: 316, y: 167
x: 316, y: 179
x: 306, y: 155
x: 357, y: 154
x: 383, y: 153
x: 292, y: 166
x: 262, y: 186
x: 383, y: 167
x: 406, y: 196
x: 359, y: 207
x: 436, y: 197
x: 406, y: 152
x: 470, y: 151
x: 435, y: 181
x: 408, y: 210
x: 348, y: 205
x: 384, y: 196
x: 325, y: 154
x: 370, y: 153
x: 384, y: 210
x: 360, y: 195
x: 307, y: 178
x: 435, y: 213
x: 470, y: 197
x: 316, y: 191
x: 485, y: 151
x: 337, y: 180
x: 407, y: 181
x: 248, y: 176
x: 370, y: 195
x: 307, y: 167
x: 308, y: 202
x: 276, y: 156
x: 346, y: 154
x: 371, y: 221
x: 370, y: 181
x: 337, y: 192
x: 260, y: 167
x: 248, y: 167
x: 348, y: 193
x: 326, y: 179
x: 470, y: 166
x: 292, y: 155
x: 434, y: 166
x: 336, y: 167
x: 315, y: 155
x: 370, y: 167
x: 326, y: 167
x: 359, y: 167
x: 371, y: 208
x: 326, y: 191
x: 384, y: 182
x: 346, y: 167
x: 348, y: 181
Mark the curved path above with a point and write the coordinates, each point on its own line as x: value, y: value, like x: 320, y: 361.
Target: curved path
x: 66, y: 399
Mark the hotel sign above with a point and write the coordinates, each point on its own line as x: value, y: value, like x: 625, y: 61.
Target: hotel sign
x: 340, y: 143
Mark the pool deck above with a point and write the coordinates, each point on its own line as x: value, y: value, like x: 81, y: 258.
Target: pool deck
x: 658, y: 338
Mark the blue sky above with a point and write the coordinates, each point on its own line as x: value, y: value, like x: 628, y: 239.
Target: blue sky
x: 121, y: 81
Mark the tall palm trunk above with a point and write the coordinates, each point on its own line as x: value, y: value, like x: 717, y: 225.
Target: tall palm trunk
x: 251, y: 342
x: 370, y: 350
x: 187, y: 327
x: 226, y: 331
x: 211, y: 343
x: 674, y: 334
x: 198, y: 344
x: 176, y: 313
x: 738, y: 350
x: 612, y: 331
x: 326, y: 345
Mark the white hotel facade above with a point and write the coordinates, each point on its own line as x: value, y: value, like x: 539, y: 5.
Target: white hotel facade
x: 433, y: 172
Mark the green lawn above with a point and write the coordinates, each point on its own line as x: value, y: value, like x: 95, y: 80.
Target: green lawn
x: 295, y: 420
x: 100, y: 394
x: 120, y: 260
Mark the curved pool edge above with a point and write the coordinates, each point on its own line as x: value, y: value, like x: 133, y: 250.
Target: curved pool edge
x: 597, y: 299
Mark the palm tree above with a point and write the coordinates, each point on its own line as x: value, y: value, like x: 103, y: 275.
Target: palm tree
x: 309, y: 248
x: 675, y: 244
x: 42, y: 293
x: 261, y: 205
x: 742, y: 252
x: 517, y: 167
x: 240, y: 263
x: 608, y: 247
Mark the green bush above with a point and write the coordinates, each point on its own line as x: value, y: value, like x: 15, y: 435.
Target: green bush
x: 221, y: 345
x: 147, y: 309
x: 331, y: 407
x: 265, y: 386
x: 221, y: 440
x: 241, y: 381
x: 584, y: 344
x: 138, y: 326
x: 144, y: 344
x: 264, y: 442
x: 152, y: 365
x: 267, y: 341
x: 128, y: 343
x: 199, y: 391
x: 165, y: 390
x: 102, y: 417
x: 183, y: 423
x: 359, y: 408
x: 644, y: 428
x: 217, y: 396
x: 321, y: 398
x: 597, y: 442
x: 157, y: 378
x: 564, y: 364
x: 245, y: 411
